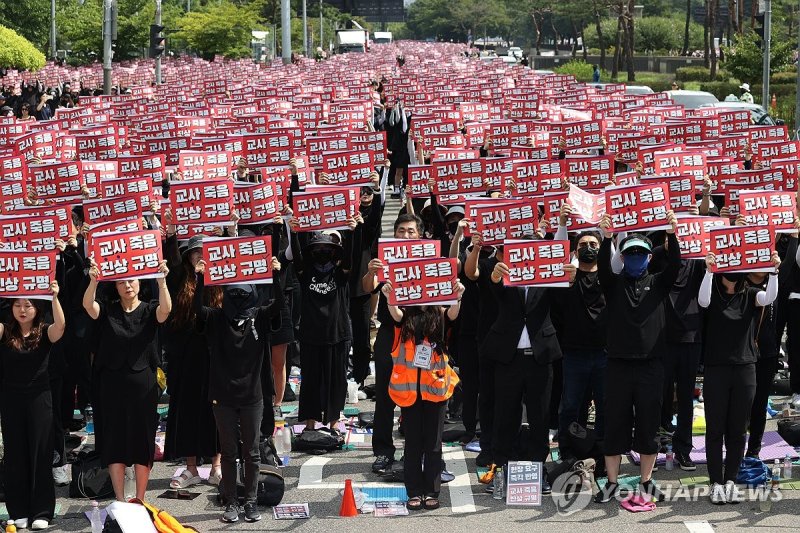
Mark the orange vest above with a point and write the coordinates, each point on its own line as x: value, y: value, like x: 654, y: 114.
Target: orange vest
x: 435, y: 384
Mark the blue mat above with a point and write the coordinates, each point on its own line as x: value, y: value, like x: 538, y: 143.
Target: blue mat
x: 385, y: 494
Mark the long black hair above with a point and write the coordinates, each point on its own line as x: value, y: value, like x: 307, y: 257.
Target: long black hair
x: 427, y: 320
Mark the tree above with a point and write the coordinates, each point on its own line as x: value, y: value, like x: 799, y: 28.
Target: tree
x: 433, y: 18
x: 744, y: 58
x: 29, y: 18
x: 221, y: 28
x: 18, y: 52
x: 481, y: 17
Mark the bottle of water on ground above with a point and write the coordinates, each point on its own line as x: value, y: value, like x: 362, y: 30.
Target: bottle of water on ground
x: 96, y: 519
x: 787, y: 467
x: 283, y: 442
x: 670, y: 458
x: 89, y: 420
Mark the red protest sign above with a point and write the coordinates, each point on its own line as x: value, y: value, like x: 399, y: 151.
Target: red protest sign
x: 255, y: 203
x: 238, y: 260
x: 104, y: 210
x: 202, y: 203
x: 373, y: 142
x: 143, y: 166
x: 27, y: 274
x: 12, y: 195
x: 130, y: 255
x: 769, y: 208
x: 418, y: 176
x: 536, y: 263
x: 393, y: 250
x: 552, y: 212
x: 141, y: 188
x: 742, y: 249
x: 534, y: 178
x: 423, y: 282
x: 459, y: 177
x: 507, y: 220
x: 325, y: 207
x: 199, y: 165
x: 60, y: 182
x: 348, y: 168
x: 590, y: 172
x: 693, y: 235
x: 34, y: 233
x: 681, y: 190
x: 587, y: 206
x: 681, y: 163
x: 583, y: 134
x: 638, y: 207
x: 95, y: 172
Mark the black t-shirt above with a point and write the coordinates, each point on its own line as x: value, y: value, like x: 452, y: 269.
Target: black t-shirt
x: 488, y: 301
x: 25, y: 370
x: 730, y: 327
x: 683, y: 314
x: 469, y: 313
x: 127, y: 339
x: 579, y: 314
x: 325, y: 307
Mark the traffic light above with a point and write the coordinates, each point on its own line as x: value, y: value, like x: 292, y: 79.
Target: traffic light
x: 157, y: 41
x: 759, y: 28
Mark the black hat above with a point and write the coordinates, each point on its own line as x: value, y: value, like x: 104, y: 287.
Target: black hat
x: 195, y: 242
x: 321, y: 239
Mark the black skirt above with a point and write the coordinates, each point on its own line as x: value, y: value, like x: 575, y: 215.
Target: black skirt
x: 127, y: 419
x: 284, y: 334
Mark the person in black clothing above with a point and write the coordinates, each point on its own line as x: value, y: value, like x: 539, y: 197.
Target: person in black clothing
x: 238, y: 338
x: 397, y: 132
x: 522, y: 341
x: 635, y: 303
x: 580, y: 319
x: 191, y: 430
x: 405, y: 227
x: 26, y: 410
x: 730, y: 373
x: 126, y: 358
x: 323, y: 268
x: 683, y: 350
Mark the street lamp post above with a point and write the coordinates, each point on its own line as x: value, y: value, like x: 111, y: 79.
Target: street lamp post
x: 158, y: 59
x: 305, y: 30
x: 107, y: 52
x: 53, y: 29
x: 286, y: 31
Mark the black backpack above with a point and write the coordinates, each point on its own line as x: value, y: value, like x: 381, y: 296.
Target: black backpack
x: 271, y: 486
x: 89, y: 479
x: 789, y: 430
x: 317, y: 441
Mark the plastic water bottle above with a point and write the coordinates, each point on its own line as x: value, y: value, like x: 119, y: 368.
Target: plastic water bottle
x: 283, y: 443
x: 129, y: 489
x: 499, y: 483
x: 96, y: 519
x: 89, y: 420
x: 787, y: 466
x: 670, y: 458
x: 776, y: 474
x: 11, y: 528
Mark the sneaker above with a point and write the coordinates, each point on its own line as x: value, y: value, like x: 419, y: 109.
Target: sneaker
x: 732, y: 493
x: 231, y: 513
x: 651, y: 491
x: 362, y: 395
x: 40, y: 524
x: 251, y: 513
x: 21, y: 523
x: 685, y: 462
x: 382, y: 464
x: 607, y: 493
x: 546, y: 488
x: 60, y: 475
x: 718, y: 496
x: 215, y: 478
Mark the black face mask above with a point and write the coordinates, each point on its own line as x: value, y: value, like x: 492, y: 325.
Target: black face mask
x: 734, y: 277
x: 239, y: 302
x: 587, y: 255
x: 452, y: 228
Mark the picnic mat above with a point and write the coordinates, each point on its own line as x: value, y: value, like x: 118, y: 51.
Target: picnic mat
x: 699, y: 481
x: 629, y: 482
x: 772, y: 447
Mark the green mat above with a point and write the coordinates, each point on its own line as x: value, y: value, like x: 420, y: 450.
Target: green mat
x: 695, y: 481
x: 351, y: 411
x: 626, y: 482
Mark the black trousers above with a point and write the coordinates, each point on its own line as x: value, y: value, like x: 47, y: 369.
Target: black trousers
x: 793, y: 343
x: 422, y: 460
x: 362, y: 352
x: 486, y: 399
x: 76, y: 388
x: 58, y: 426
x: 27, y: 424
x: 633, y: 405
x: 267, y: 427
x: 235, y: 424
x: 324, y: 386
x: 382, y: 442
x: 728, y: 391
x: 766, y: 368
x: 521, y: 379
x: 470, y: 374
x: 680, y: 375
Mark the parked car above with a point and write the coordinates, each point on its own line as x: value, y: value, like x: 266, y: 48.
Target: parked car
x: 758, y: 114
x: 515, y: 52
x: 629, y: 89
x: 692, y: 99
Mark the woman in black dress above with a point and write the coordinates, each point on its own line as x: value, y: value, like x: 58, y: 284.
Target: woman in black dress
x: 191, y: 430
x: 126, y: 357
x: 26, y: 410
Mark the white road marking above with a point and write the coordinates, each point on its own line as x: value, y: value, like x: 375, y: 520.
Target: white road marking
x: 461, y: 500
x: 311, y: 472
x: 698, y: 526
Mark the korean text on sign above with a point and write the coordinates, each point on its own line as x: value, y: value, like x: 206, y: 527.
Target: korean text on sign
x: 742, y: 248
x: 536, y: 263
x: 26, y: 274
x: 423, y: 282
x: 131, y: 255
x: 638, y: 207
x: 238, y: 260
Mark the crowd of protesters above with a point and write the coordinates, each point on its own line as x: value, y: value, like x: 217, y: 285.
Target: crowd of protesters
x: 617, y: 350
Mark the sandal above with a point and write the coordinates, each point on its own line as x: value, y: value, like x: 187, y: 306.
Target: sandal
x: 431, y: 503
x: 414, y: 503
x: 186, y: 479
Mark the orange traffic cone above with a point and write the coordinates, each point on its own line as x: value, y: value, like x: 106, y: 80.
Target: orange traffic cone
x: 348, y: 507
x: 774, y: 103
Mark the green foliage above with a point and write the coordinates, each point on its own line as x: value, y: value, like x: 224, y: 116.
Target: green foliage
x: 721, y: 89
x: 655, y: 34
x: 699, y: 74
x: 609, y: 28
x: 580, y: 69
x: 29, y: 18
x: 744, y: 58
x: 220, y: 28
x: 432, y: 18
x: 655, y: 80
x: 17, y: 52
x: 789, y: 76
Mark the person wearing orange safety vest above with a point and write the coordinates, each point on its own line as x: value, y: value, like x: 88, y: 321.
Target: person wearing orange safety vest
x: 421, y: 383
